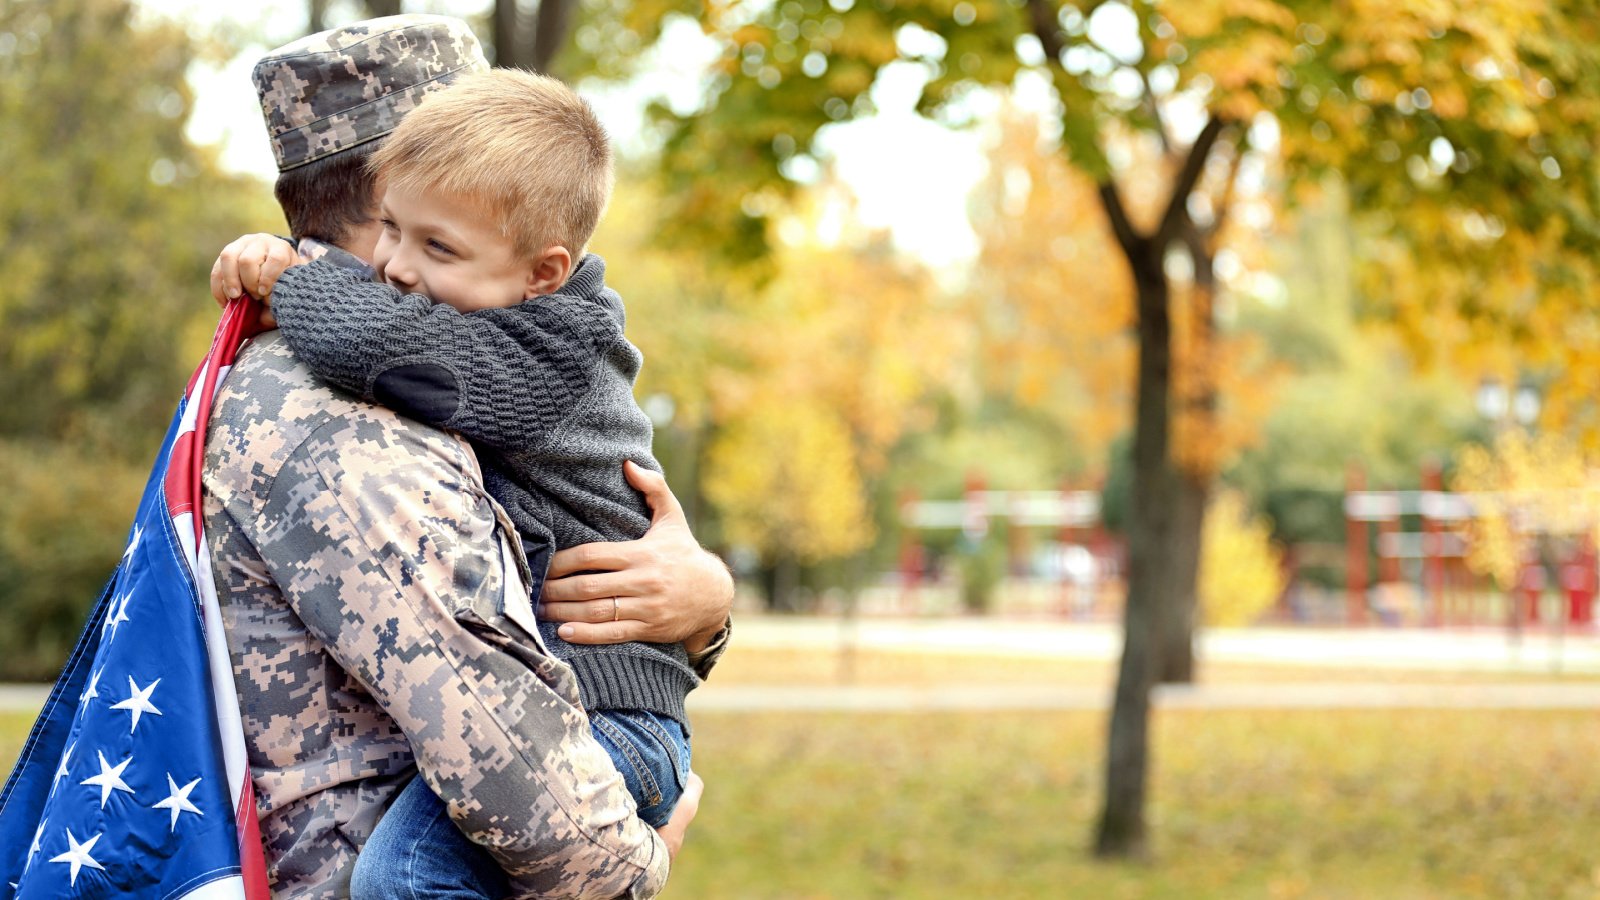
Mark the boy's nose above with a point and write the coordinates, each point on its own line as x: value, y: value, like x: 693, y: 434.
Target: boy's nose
x: 397, y: 273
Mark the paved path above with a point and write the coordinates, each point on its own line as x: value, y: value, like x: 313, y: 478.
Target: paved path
x: 1480, y: 651
x: 1460, y: 650
x: 1343, y: 695
x: 1357, y: 695
x: 23, y: 697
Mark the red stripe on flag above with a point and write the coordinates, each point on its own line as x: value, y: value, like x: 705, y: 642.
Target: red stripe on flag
x: 241, y: 320
x: 252, y: 860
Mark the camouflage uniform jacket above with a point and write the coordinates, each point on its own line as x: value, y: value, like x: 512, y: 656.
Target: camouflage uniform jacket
x: 373, y: 596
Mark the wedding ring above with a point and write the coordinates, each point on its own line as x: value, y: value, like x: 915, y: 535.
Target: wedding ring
x: 616, y: 609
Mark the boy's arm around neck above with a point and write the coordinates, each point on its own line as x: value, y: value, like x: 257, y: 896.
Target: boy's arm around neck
x: 501, y: 377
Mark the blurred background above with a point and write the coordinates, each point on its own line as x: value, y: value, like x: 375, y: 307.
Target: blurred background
x: 1226, y: 365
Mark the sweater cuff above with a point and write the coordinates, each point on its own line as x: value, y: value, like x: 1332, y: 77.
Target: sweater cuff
x: 624, y: 681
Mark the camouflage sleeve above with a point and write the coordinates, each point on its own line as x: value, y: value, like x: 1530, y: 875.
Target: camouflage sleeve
x: 501, y: 377
x: 388, y: 550
x: 705, y: 658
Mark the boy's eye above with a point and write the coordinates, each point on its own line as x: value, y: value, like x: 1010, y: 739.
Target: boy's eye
x: 388, y: 224
x: 441, y: 248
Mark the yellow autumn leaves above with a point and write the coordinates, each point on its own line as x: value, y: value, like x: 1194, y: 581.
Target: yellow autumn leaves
x: 1524, y: 488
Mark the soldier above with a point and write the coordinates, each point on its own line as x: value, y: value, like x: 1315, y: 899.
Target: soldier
x: 375, y: 596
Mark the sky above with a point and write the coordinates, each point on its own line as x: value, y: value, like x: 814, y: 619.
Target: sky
x: 888, y: 160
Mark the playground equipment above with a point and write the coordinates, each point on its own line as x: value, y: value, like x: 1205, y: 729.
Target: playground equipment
x: 1082, y: 558
x: 1438, y: 549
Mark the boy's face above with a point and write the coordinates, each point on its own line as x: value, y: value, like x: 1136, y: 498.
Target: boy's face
x: 447, y: 248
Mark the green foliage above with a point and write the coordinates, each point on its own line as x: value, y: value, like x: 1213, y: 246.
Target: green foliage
x: 67, y: 518
x: 1241, y: 571
x: 111, y: 221
x: 1350, y: 394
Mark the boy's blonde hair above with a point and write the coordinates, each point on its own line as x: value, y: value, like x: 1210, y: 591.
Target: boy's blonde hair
x: 525, y: 146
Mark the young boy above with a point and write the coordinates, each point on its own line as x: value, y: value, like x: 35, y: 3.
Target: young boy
x: 487, y: 318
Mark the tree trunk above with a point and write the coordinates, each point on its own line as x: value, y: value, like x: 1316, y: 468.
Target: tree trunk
x: 1153, y: 505
x: 530, y: 41
x: 379, y: 8
x: 780, y: 579
x: 550, y: 34
x: 1151, y: 574
x: 316, y: 16
x: 506, y: 33
x: 1176, y: 620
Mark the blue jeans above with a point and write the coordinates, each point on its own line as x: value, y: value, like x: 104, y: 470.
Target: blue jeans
x: 417, y: 852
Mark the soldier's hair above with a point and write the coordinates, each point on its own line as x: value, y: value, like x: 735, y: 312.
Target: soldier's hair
x: 330, y: 197
x: 525, y: 147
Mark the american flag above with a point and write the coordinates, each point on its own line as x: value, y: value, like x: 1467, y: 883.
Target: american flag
x: 133, y: 782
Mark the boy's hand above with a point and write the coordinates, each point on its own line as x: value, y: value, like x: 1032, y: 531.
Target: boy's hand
x: 251, y: 265
x: 662, y: 587
x: 688, y: 805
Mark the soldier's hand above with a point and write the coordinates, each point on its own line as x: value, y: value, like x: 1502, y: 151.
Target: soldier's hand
x: 251, y: 265
x: 688, y: 805
x: 663, y: 587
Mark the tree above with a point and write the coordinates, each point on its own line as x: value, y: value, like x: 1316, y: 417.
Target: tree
x: 790, y: 401
x: 1452, y: 91
x: 530, y: 38
x: 1243, y: 572
x: 317, y: 12
x: 1066, y: 354
x: 102, y: 285
x: 1526, y: 488
x: 112, y: 220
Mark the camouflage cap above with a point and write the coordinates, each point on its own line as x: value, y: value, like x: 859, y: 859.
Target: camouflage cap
x: 347, y: 86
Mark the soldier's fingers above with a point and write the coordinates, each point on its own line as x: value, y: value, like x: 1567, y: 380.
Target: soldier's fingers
x: 602, y: 557
x: 619, y: 632
x: 591, y: 586
x: 606, y: 609
x: 663, y: 504
x: 677, y: 827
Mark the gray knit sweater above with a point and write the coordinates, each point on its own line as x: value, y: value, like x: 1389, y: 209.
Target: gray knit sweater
x: 544, y: 390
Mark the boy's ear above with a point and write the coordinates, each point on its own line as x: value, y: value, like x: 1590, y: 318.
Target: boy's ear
x: 549, y: 272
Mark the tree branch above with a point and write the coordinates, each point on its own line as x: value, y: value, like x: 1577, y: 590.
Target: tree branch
x: 1224, y: 204
x: 507, y: 33
x: 1178, y: 204
x: 1042, y: 15
x: 1155, y: 111
x: 1131, y: 240
x: 550, y: 32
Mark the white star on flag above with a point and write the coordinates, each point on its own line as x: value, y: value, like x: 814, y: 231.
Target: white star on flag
x: 179, y: 801
x: 138, y: 532
x: 120, y: 616
x: 62, y: 771
x: 109, y: 779
x: 79, y: 856
x: 92, y: 691
x: 138, y: 702
x: 35, y: 848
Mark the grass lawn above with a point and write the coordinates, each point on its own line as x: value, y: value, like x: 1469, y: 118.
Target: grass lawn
x: 878, y: 667
x: 1247, y: 804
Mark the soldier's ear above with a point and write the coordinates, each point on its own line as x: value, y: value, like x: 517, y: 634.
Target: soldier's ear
x: 548, y: 272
